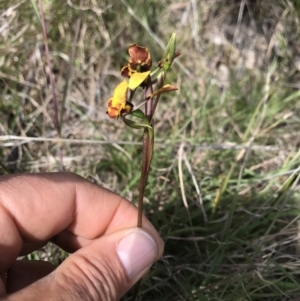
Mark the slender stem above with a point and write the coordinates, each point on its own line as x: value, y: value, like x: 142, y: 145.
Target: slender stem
x: 148, y: 143
x: 160, y: 84
x: 52, y: 83
x: 70, y: 67
x: 148, y: 104
x: 147, y: 153
x: 144, y: 177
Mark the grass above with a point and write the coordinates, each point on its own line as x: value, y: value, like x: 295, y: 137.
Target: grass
x: 227, y: 143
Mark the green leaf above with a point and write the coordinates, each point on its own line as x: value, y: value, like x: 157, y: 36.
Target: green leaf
x: 36, y: 10
x: 138, y: 125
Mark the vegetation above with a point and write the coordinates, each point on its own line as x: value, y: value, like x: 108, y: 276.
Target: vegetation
x: 223, y: 189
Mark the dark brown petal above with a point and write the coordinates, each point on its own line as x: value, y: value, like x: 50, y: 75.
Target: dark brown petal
x: 125, y: 71
x: 138, y: 54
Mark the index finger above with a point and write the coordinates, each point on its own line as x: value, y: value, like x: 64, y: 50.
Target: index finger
x: 36, y: 207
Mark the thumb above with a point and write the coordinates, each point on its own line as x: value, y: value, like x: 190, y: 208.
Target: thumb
x: 108, y: 267
x: 103, y: 270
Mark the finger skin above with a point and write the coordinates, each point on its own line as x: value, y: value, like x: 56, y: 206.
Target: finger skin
x: 79, y: 278
x: 62, y: 207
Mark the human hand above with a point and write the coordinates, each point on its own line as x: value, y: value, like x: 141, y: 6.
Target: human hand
x: 111, y: 254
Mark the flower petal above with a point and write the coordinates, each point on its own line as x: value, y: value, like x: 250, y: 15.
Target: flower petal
x: 125, y: 71
x: 120, y: 95
x: 128, y: 108
x: 113, y: 112
x: 163, y: 89
x: 137, y: 79
x: 140, y: 59
x: 138, y: 53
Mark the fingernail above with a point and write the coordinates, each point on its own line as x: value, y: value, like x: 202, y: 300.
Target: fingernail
x: 137, y: 251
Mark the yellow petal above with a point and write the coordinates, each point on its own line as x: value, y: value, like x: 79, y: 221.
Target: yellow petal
x: 136, y: 79
x: 120, y: 94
